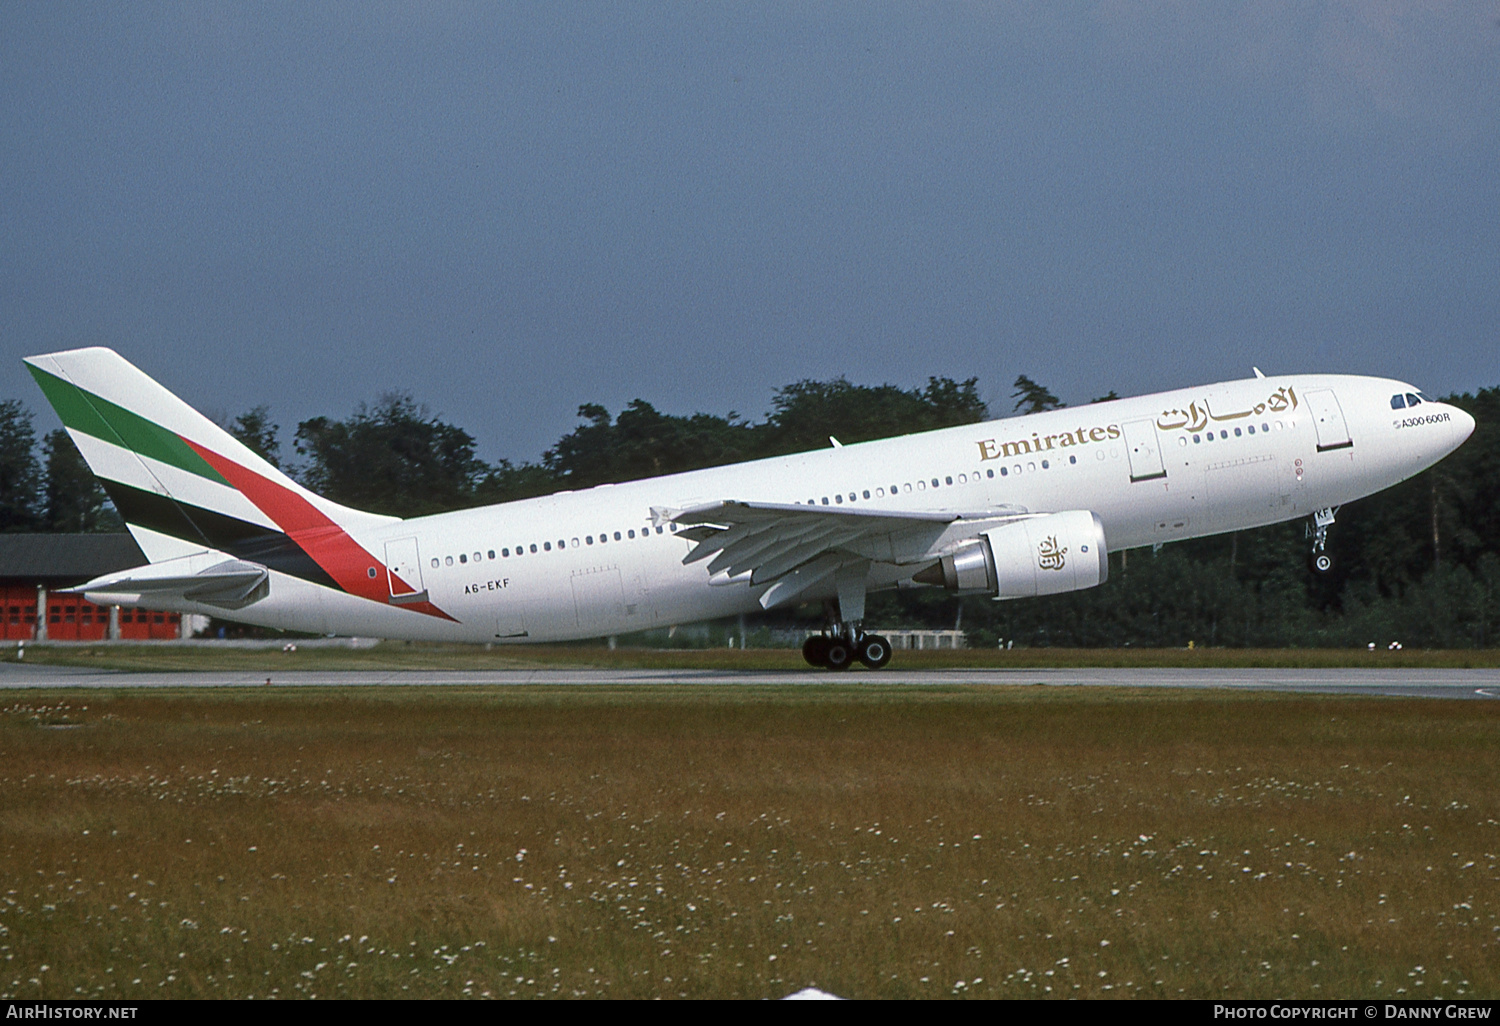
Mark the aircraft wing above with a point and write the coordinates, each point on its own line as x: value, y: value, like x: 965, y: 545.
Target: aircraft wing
x: 795, y: 547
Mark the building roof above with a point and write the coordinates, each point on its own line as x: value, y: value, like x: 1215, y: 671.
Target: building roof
x: 65, y: 558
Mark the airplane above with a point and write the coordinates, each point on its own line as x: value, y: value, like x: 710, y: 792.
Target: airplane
x: 1012, y: 508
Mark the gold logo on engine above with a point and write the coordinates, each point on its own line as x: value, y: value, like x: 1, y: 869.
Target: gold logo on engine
x: 1050, y: 556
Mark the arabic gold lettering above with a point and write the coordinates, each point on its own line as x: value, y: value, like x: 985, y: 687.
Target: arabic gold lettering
x: 1051, y: 556
x: 1224, y: 416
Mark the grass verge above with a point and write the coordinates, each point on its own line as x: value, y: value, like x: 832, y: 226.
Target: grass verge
x: 747, y: 842
x: 393, y: 655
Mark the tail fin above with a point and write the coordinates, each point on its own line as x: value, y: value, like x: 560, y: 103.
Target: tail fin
x: 182, y: 483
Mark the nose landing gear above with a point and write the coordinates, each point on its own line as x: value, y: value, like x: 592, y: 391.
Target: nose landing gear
x: 1320, y: 560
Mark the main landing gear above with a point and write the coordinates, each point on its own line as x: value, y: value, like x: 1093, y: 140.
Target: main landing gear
x: 1320, y: 560
x: 838, y: 650
x: 844, y: 639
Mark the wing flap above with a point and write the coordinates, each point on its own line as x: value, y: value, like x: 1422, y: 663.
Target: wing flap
x: 794, y: 548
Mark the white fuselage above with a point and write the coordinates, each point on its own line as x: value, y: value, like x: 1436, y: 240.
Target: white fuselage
x: 1155, y: 468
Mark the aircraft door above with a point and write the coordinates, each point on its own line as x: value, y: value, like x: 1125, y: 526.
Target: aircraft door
x: 1144, y: 448
x: 403, y: 566
x: 599, y: 597
x: 1328, y: 418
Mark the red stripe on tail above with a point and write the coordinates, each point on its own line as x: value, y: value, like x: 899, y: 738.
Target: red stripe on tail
x: 328, y: 544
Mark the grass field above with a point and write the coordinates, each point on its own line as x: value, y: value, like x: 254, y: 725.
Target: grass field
x: 392, y: 655
x: 746, y: 842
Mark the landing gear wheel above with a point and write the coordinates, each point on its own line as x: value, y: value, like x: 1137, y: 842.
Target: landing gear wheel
x: 1320, y: 562
x: 875, y: 651
x: 838, y: 655
x: 815, y: 650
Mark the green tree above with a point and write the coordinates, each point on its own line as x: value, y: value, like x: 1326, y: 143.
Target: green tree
x: 73, y: 500
x: 259, y: 435
x: 1031, y: 397
x: 643, y: 442
x: 805, y: 414
x: 20, y: 475
x: 394, y: 457
x: 507, y: 482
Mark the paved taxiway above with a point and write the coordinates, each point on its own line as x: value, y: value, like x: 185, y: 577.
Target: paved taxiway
x: 1421, y: 683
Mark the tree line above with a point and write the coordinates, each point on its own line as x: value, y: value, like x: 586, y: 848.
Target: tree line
x: 1417, y: 564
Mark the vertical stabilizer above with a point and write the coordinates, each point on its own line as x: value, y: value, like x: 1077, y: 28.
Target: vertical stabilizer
x: 183, y: 484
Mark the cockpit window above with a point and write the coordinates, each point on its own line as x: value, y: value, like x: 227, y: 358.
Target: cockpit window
x: 1412, y: 400
x: 1398, y: 402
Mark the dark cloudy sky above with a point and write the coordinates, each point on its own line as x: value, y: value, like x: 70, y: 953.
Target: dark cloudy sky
x: 511, y: 209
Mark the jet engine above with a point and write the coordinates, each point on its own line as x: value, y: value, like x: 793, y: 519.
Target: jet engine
x: 1042, y: 555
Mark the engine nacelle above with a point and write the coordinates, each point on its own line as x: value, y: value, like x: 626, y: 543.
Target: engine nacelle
x: 1044, y: 555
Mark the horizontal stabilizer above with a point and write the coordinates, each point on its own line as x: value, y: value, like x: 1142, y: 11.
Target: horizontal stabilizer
x: 231, y: 584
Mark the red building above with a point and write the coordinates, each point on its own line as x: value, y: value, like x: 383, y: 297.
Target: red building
x: 33, y: 567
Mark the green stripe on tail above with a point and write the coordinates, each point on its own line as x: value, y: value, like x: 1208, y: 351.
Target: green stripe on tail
x: 93, y: 415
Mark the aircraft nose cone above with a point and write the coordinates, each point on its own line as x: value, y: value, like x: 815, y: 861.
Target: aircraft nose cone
x: 1463, y: 427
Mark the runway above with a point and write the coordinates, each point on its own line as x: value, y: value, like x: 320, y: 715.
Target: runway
x: 1405, y: 683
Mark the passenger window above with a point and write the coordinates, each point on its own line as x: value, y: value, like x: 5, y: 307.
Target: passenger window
x: 852, y: 499
x: 1251, y: 429
x: 547, y: 546
x: 533, y: 546
x: 1224, y: 433
x: 921, y: 486
x: 1398, y: 402
x: 1046, y: 465
x: 617, y: 536
x: 1236, y: 432
x: 590, y: 539
x: 963, y: 478
x: 448, y: 560
x: 880, y: 493
x: 434, y: 562
x: 991, y: 473
x: 866, y: 493
x: 492, y: 553
x: 658, y: 529
x: 505, y: 553
x: 946, y: 480
x: 906, y: 487
x: 631, y: 532
x: 1072, y: 459
x: 1031, y: 467
x: 935, y: 483
x: 825, y: 500
x: 839, y: 499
